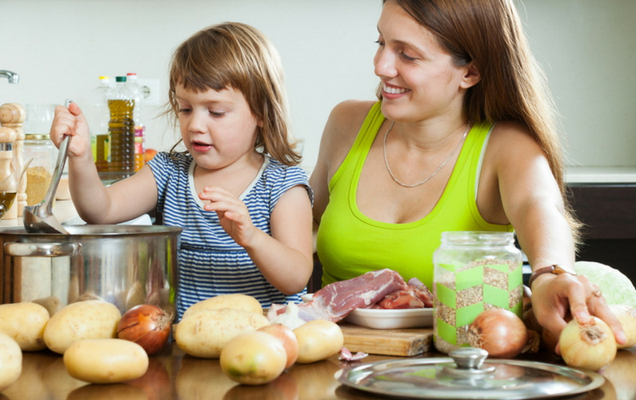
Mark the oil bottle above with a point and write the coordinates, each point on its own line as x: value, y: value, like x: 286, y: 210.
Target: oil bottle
x: 121, y: 128
x: 140, y: 128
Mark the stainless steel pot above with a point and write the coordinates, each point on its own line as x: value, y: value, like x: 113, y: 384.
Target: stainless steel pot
x: 125, y: 265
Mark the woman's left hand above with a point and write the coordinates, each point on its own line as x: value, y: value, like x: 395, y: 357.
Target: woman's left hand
x: 233, y: 214
x: 556, y: 298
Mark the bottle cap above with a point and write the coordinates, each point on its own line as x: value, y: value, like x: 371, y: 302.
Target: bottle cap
x: 120, y: 79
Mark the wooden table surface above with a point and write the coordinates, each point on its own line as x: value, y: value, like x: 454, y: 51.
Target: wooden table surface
x: 174, y: 375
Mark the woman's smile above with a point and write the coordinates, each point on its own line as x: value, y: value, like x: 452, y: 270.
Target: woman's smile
x: 391, y: 92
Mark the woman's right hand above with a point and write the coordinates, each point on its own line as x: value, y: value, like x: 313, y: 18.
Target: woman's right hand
x: 71, y: 121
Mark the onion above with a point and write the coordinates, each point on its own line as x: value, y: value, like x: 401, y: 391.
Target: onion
x: 591, y: 346
x: 626, y: 315
x: 287, y: 336
x: 498, y: 331
x: 146, y: 325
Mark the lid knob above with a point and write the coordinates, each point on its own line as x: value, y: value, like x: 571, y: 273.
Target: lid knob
x: 469, y: 357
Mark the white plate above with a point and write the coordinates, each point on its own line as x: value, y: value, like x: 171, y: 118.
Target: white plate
x: 391, y: 319
x: 377, y: 318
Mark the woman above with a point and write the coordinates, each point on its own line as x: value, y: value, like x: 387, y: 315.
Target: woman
x: 463, y: 138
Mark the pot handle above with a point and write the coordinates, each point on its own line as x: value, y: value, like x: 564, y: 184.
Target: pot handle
x: 42, y: 249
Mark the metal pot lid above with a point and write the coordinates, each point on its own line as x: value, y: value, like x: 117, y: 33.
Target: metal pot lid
x: 97, y: 230
x: 468, y: 375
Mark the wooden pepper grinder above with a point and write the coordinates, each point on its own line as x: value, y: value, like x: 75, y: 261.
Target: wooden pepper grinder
x: 12, y: 116
x: 7, y: 140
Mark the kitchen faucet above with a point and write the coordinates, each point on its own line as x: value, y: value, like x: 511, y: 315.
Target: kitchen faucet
x: 11, y: 76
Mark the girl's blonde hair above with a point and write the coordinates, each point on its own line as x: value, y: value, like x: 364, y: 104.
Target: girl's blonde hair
x: 239, y: 56
x: 489, y: 33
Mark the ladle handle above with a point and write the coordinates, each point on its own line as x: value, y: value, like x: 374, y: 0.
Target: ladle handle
x: 57, y: 173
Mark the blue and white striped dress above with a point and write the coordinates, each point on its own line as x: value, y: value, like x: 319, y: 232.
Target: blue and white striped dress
x: 210, y: 261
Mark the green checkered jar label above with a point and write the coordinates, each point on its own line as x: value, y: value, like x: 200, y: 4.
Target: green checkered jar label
x: 474, y: 271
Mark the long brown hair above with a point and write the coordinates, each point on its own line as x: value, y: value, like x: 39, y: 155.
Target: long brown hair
x: 489, y: 33
x: 239, y: 56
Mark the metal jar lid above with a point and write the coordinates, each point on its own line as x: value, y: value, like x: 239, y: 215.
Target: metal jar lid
x: 468, y: 375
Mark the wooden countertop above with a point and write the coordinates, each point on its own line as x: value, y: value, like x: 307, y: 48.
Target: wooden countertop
x: 173, y: 375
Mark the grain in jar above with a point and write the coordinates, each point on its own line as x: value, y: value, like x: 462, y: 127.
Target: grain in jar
x: 474, y: 271
x: 38, y: 175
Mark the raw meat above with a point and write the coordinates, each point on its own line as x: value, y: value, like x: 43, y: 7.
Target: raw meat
x: 416, y: 296
x: 421, y: 291
x: 399, y: 300
x: 336, y: 300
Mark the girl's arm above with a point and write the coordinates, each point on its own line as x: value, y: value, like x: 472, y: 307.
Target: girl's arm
x: 532, y: 202
x: 285, y: 257
x: 94, y: 202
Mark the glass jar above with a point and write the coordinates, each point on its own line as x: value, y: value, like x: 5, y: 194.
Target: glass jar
x: 38, y: 175
x: 474, y: 271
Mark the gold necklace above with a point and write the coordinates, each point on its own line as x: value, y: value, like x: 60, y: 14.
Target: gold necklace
x: 386, y: 160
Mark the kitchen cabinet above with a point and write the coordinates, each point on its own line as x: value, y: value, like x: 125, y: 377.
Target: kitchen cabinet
x: 608, y: 211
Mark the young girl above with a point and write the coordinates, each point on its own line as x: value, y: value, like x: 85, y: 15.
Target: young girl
x: 237, y: 192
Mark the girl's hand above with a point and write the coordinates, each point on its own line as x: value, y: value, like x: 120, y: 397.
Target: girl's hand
x: 232, y: 212
x: 557, y: 297
x: 71, y: 121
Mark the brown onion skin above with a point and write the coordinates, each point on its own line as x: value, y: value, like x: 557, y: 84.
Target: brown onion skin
x: 287, y: 337
x: 147, y: 325
x: 498, y: 331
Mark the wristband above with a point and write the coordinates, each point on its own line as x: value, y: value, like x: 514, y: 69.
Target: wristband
x: 552, y: 269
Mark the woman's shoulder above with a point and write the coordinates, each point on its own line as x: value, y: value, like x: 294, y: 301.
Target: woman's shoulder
x: 350, y: 114
x: 343, y: 124
x: 508, y: 135
x: 511, y: 146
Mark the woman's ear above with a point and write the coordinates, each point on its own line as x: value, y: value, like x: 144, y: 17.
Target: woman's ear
x: 471, y: 77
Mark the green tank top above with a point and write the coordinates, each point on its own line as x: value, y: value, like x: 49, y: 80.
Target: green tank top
x: 350, y: 244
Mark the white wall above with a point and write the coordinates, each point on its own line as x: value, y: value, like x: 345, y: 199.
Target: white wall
x: 60, y: 47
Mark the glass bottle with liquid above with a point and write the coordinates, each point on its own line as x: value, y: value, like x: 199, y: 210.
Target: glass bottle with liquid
x: 121, y: 128
x: 98, y: 119
x: 140, y: 128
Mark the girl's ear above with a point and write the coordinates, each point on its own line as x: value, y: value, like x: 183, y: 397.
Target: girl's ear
x: 471, y: 77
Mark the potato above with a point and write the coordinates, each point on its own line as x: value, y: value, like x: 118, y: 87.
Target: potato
x: 105, y: 360
x: 253, y: 358
x: 24, y: 322
x: 203, y: 333
x: 318, y: 340
x: 10, y: 361
x: 91, y: 319
x: 238, y: 301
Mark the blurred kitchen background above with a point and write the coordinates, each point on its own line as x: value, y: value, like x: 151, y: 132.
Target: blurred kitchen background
x: 60, y: 48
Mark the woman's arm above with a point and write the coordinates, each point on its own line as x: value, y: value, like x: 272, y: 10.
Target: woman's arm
x: 530, y: 198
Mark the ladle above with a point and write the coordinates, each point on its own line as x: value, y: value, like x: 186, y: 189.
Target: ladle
x: 39, y: 218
